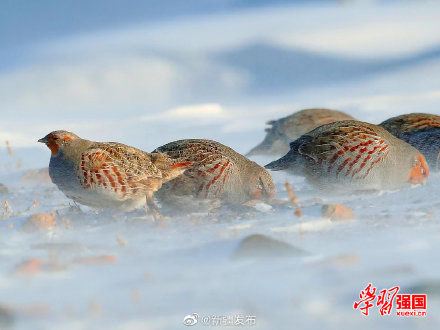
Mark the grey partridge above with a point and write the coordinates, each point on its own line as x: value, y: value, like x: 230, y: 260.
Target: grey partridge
x: 216, y: 175
x: 107, y: 174
x: 352, y: 155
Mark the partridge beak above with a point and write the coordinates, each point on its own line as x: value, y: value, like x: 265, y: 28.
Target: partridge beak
x: 43, y: 140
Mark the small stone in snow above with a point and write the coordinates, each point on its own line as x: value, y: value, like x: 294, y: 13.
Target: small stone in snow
x: 337, y: 212
x: 258, y: 245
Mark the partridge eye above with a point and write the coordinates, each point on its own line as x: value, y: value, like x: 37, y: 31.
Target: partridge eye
x: 55, y: 138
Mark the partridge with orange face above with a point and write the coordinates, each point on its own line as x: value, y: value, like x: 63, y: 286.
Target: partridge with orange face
x: 422, y: 131
x: 107, y: 174
x: 217, y: 175
x: 287, y: 129
x: 352, y: 155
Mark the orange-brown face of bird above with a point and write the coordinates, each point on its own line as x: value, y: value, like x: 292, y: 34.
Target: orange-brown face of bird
x: 263, y: 188
x: 419, y: 172
x: 57, y: 139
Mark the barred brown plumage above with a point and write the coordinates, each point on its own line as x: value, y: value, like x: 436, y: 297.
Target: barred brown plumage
x: 422, y: 131
x: 107, y: 174
x: 353, y: 155
x: 217, y: 175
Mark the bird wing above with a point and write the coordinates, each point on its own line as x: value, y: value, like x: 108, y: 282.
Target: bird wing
x: 209, y: 170
x: 113, y: 165
x: 425, y: 123
x: 408, y: 124
x: 351, y: 150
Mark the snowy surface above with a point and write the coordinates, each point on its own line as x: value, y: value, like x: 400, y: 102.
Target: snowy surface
x: 218, y: 76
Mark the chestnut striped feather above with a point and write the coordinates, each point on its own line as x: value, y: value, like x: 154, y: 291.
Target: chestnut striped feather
x: 350, y: 151
x: 116, y: 168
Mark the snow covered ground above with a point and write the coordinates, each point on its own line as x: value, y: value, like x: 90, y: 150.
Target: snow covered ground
x: 220, y: 76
